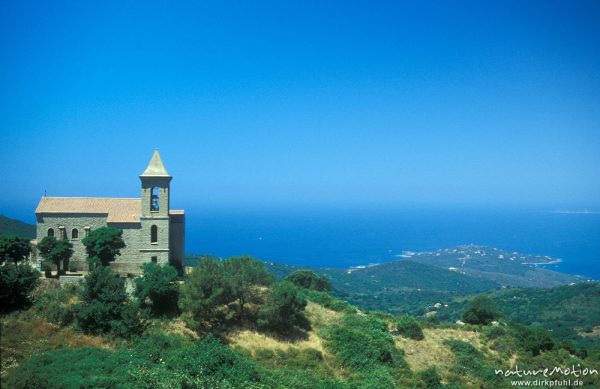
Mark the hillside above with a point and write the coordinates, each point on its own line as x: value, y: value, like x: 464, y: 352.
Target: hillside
x: 420, y: 280
x: 10, y: 226
x: 570, y: 311
x: 505, y: 268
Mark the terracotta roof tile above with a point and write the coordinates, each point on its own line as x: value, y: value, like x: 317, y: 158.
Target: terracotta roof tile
x: 117, y: 210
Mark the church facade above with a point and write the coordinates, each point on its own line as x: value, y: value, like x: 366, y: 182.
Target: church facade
x: 152, y: 231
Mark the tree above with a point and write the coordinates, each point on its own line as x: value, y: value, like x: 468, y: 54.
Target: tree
x: 17, y: 281
x: 482, y: 310
x: 104, y: 305
x: 408, y: 327
x: 103, y: 245
x: 204, y: 291
x: 284, y: 310
x: 308, y: 280
x: 13, y: 248
x: 55, y: 251
x: 158, y: 284
x: 243, y: 276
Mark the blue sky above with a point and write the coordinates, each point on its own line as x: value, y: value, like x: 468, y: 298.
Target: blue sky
x: 289, y: 104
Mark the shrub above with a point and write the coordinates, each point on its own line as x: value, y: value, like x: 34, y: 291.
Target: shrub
x: 309, y: 280
x: 53, y: 305
x: 158, y: 286
x: 104, y: 307
x: 431, y: 378
x: 17, y: 281
x: 362, y: 343
x: 13, y: 248
x: 470, y: 360
x: 47, y: 269
x: 284, y: 310
x: 534, y: 340
x: 328, y: 301
x: 72, y: 267
x: 408, y: 327
x: 482, y: 310
x: 214, y: 363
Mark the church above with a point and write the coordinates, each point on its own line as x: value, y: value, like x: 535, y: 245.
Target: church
x: 152, y: 231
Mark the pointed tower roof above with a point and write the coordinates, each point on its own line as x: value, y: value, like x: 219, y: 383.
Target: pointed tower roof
x: 155, y: 168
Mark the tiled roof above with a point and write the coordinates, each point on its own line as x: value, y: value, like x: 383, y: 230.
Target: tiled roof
x: 117, y: 210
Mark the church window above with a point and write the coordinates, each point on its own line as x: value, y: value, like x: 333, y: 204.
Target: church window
x: 153, y: 234
x: 154, y: 259
x: 154, y: 200
x: 75, y: 234
x: 51, y: 232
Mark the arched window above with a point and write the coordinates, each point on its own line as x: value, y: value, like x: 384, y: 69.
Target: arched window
x: 51, y: 232
x: 154, y: 199
x: 153, y: 234
x: 75, y: 234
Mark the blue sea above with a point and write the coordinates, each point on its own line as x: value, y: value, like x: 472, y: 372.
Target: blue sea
x: 349, y: 237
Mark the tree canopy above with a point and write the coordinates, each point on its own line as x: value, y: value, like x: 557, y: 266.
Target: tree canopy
x: 158, y: 286
x: 13, y: 248
x: 17, y: 281
x: 103, y: 245
x: 284, y: 310
x: 243, y: 275
x: 309, y: 280
x: 56, y: 251
x: 482, y: 310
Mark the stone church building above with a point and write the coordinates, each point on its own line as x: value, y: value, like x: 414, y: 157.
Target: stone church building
x: 152, y: 231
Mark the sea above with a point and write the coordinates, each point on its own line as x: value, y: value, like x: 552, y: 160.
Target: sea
x: 340, y: 238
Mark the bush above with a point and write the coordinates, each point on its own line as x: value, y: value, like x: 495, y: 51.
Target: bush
x: 72, y: 267
x: 472, y: 361
x: 284, y: 310
x: 53, y: 305
x: 431, y: 378
x: 47, y: 269
x: 534, y: 340
x: 215, y: 364
x: 408, y: 327
x: 104, y: 308
x: 482, y: 310
x: 309, y: 280
x: 17, y: 281
x: 362, y: 343
x: 157, y: 287
x: 328, y: 301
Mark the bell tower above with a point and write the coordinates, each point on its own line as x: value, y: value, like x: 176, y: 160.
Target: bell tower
x: 155, y: 189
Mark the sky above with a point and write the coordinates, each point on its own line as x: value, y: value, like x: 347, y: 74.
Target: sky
x: 302, y: 103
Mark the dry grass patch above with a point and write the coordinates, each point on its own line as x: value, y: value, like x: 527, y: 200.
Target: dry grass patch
x: 320, y: 316
x: 431, y: 351
x: 252, y: 340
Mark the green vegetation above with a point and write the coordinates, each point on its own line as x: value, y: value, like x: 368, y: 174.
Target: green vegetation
x: 103, y: 245
x: 309, y: 280
x: 157, y: 288
x: 17, y: 281
x: 94, y: 334
x: 105, y: 307
x: 565, y: 310
x: 408, y: 327
x: 481, y: 310
x: 284, y: 310
x: 10, y: 226
x: 13, y: 248
x: 244, y: 277
x: 56, y: 251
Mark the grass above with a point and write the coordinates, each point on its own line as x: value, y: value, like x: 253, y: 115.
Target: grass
x: 431, y: 351
x: 25, y: 334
